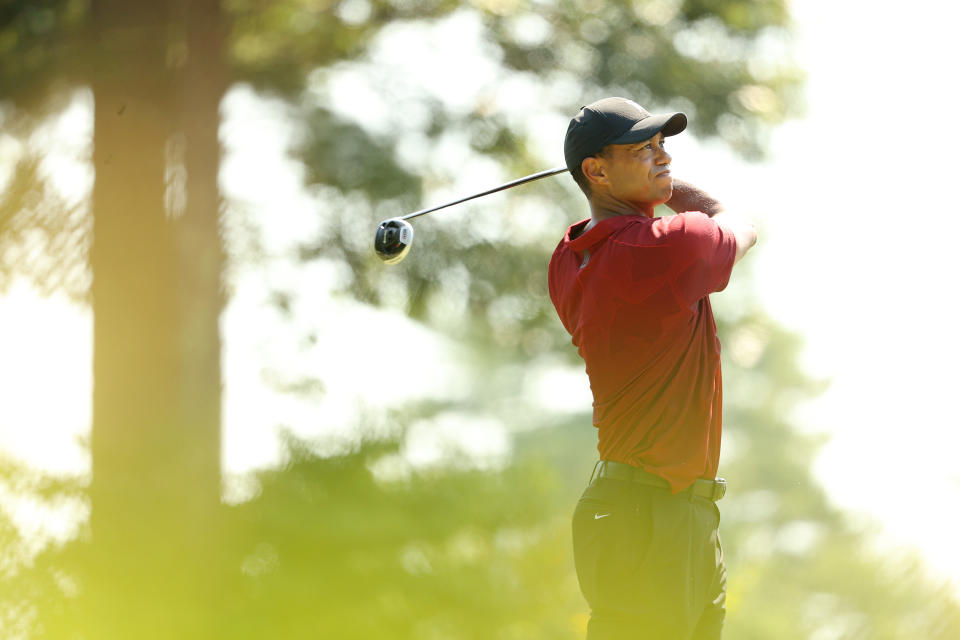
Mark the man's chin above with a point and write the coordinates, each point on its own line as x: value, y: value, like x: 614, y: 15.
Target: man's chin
x: 665, y: 194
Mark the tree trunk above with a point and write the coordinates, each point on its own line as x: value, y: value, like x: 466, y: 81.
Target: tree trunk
x: 156, y: 304
x: 135, y: 358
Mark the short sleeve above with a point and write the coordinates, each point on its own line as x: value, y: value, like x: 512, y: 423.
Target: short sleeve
x: 702, y: 254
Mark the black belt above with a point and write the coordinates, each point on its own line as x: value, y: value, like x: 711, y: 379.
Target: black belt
x: 709, y: 489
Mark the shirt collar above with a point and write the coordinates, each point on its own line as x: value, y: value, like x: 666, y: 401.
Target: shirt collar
x: 599, y: 231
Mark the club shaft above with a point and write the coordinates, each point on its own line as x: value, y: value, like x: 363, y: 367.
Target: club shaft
x: 507, y: 185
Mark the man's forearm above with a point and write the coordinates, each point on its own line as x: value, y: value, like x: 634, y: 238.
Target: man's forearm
x: 687, y: 197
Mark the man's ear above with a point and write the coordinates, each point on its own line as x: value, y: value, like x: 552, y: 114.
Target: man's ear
x: 594, y: 170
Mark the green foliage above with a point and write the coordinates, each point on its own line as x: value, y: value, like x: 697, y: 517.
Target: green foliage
x: 39, y: 45
x: 347, y: 155
x: 28, y: 586
x: 275, y: 46
x: 742, y: 16
x: 327, y: 550
x: 700, y: 55
x: 32, y: 216
x: 361, y: 545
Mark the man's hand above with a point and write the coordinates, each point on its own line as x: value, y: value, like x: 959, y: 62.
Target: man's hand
x: 741, y: 228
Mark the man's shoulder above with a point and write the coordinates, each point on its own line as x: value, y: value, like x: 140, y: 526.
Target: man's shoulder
x: 681, y: 229
x: 634, y: 230
x: 683, y: 222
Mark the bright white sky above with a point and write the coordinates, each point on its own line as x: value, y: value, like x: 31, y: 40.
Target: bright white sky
x: 857, y: 254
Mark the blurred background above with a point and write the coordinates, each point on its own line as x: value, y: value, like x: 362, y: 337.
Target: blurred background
x: 222, y: 416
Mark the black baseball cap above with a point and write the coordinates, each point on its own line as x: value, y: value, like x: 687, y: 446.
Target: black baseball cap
x: 614, y: 121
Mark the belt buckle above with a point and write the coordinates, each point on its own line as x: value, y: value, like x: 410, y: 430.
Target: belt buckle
x: 719, y: 489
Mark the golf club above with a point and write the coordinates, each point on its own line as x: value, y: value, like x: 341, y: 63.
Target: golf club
x: 394, y: 236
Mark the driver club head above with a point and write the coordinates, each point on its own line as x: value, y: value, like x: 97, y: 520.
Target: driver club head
x: 393, y: 240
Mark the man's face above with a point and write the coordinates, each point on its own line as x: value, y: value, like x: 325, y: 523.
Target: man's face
x: 639, y: 173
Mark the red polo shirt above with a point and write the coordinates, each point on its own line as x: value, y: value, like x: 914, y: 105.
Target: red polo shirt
x: 639, y: 313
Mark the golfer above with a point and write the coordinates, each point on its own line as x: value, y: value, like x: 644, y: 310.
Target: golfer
x: 633, y: 291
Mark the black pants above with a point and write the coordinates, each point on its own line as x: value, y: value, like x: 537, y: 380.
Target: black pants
x: 649, y: 563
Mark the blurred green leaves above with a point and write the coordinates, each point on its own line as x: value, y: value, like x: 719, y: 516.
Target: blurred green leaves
x: 343, y: 153
x: 44, y: 235
x: 327, y: 550
x: 39, y: 47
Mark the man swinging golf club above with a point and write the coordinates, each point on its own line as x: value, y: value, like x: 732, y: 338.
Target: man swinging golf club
x: 633, y: 291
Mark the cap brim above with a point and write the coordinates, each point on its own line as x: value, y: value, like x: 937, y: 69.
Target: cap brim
x: 669, y: 123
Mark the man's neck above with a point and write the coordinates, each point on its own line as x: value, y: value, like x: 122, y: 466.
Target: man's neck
x: 602, y: 206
